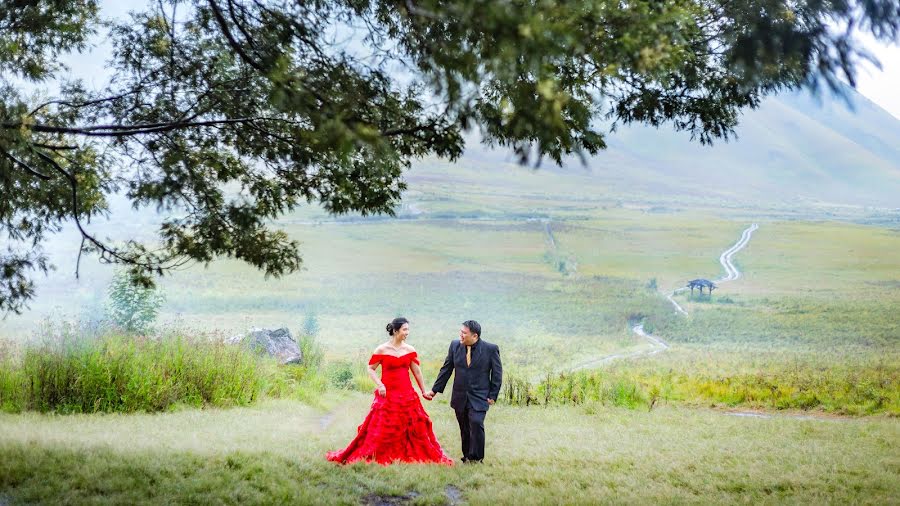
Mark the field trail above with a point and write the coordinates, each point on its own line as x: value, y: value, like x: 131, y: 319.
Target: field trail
x: 731, y: 272
x: 656, y: 344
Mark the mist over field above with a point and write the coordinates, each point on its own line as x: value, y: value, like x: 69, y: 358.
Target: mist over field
x: 654, y: 205
x: 621, y: 382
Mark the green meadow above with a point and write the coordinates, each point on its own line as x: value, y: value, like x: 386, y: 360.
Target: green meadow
x: 783, y: 386
x: 272, y: 453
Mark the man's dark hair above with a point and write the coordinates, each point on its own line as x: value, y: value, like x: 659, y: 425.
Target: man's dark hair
x: 473, y: 327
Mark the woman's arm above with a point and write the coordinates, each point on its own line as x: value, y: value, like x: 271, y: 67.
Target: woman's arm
x: 417, y: 373
x: 372, y: 374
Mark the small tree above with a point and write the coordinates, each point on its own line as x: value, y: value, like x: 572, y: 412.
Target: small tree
x: 311, y: 325
x: 131, y: 306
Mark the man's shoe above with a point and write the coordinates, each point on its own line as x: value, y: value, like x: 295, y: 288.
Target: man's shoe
x: 463, y: 460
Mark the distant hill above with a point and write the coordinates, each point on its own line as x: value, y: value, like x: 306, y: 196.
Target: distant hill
x: 795, y: 147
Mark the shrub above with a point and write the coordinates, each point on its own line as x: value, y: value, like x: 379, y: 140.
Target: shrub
x: 132, y: 307
x: 341, y: 374
x: 311, y: 325
x: 836, y: 388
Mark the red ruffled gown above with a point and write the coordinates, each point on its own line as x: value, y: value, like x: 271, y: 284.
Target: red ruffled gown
x: 397, y: 427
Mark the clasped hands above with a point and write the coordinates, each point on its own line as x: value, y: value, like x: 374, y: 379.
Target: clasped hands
x: 429, y: 395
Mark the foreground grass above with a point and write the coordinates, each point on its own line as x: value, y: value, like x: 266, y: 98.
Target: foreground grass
x: 273, y: 453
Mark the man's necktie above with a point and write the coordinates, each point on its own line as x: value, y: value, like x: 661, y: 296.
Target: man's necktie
x: 468, y: 356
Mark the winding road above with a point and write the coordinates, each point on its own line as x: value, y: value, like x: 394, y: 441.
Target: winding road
x: 725, y: 259
x: 657, y: 344
x: 731, y: 272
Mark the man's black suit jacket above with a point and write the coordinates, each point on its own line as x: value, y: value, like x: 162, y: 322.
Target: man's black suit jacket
x: 476, y: 383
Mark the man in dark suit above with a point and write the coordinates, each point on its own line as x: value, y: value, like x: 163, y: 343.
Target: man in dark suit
x: 475, y: 386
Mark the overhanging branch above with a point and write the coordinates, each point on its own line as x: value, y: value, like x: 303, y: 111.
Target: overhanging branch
x: 25, y: 166
x: 135, y: 129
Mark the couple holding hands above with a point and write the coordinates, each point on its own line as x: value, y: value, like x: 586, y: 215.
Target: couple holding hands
x: 397, y: 427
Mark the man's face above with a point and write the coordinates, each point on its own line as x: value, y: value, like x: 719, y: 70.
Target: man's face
x: 466, y: 337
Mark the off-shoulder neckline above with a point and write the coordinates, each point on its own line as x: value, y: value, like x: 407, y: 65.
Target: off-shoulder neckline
x: 389, y: 355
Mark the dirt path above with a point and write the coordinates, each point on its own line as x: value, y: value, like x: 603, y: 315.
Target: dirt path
x: 725, y: 259
x: 731, y: 272
x: 656, y: 344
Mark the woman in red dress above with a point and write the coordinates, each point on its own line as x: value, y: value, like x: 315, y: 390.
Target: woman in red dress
x: 397, y: 427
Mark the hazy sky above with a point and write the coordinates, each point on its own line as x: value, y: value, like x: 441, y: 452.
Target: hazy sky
x: 880, y: 86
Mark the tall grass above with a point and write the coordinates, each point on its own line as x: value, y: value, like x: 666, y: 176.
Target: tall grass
x: 576, y: 389
x: 839, y: 389
x: 124, y: 373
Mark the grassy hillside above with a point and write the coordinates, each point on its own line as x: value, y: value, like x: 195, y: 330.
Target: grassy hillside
x: 794, y: 148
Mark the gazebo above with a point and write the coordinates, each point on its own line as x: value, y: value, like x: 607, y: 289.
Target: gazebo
x: 701, y: 284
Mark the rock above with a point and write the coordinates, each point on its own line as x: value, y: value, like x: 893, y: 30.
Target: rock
x: 454, y: 495
x: 276, y: 343
x: 390, y: 500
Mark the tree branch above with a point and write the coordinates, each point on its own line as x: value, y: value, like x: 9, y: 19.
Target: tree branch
x: 25, y: 166
x: 135, y: 129
x: 78, y: 105
x: 55, y: 147
x: 84, y: 234
x: 235, y: 45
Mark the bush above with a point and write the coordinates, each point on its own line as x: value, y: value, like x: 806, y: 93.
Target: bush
x: 122, y: 374
x: 835, y: 388
x: 311, y: 325
x: 313, y: 354
x: 341, y: 374
x: 132, y: 307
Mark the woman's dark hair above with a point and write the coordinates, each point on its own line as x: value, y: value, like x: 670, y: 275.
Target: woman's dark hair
x: 395, y: 325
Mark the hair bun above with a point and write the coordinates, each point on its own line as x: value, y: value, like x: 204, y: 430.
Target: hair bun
x: 390, y: 328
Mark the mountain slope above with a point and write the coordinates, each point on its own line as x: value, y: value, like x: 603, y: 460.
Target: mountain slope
x: 794, y: 147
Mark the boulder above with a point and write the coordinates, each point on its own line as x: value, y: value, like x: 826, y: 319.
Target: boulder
x: 276, y: 343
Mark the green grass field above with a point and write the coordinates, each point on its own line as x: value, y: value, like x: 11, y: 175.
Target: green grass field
x: 273, y: 453
x: 556, y: 268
